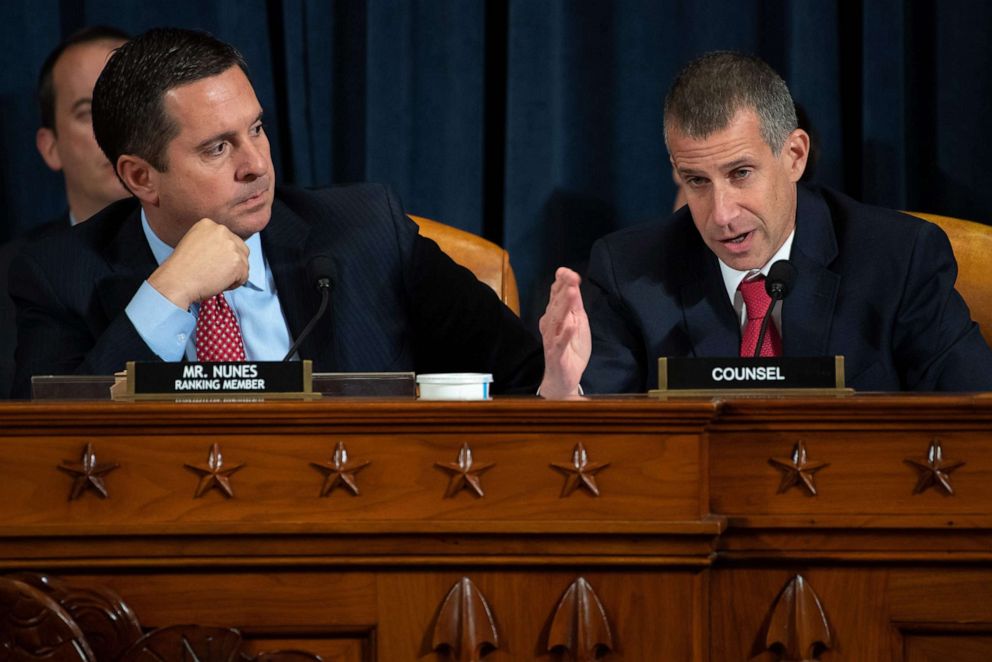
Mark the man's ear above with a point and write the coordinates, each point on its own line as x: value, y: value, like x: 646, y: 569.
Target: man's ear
x: 795, y: 154
x: 139, y: 177
x: 48, y: 146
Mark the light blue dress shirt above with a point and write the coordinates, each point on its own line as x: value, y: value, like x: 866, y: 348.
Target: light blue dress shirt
x: 170, y: 331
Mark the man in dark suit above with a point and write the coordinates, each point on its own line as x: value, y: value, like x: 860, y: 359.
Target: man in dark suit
x: 872, y: 284
x: 66, y: 143
x: 65, y: 138
x: 209, y: 237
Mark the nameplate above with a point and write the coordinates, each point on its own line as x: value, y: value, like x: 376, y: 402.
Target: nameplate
x: 365, y: 384
x: 236, y: 380
x: 706, y: 375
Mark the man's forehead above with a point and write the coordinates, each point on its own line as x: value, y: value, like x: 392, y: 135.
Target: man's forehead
x: 214, y: 102
x: 740, y: 140
x: 213, y: 87
x: 89, y: 52
x: 80, y: 59
x: 721, y: 155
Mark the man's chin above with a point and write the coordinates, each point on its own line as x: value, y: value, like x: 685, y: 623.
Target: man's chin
x: 744, y: 256
x: 245, y: 225
x: 741, y: 261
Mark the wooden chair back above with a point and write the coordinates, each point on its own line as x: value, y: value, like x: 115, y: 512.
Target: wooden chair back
x: 488, y: 261
x: 972, y: 244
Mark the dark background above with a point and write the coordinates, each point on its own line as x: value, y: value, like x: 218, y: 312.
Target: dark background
x: 537, y: 123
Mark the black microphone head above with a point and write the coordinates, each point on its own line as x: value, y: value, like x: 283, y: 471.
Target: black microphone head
x: 320, y: 271
x: 781, y: 277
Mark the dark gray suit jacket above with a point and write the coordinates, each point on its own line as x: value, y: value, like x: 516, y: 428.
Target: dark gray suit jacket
x: 398, y: 303
x: 873, y: 285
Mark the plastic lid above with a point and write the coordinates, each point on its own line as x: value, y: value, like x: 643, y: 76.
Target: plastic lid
x: 455, y: 378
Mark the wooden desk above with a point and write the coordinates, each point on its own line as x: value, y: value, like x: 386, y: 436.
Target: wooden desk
x: 690, y: 548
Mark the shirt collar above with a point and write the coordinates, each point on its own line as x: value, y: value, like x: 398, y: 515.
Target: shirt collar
x: 256, y: 261
x: 732, y: 277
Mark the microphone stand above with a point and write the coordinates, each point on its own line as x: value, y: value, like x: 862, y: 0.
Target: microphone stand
x: 764, y: 327
x: 778, y: 284
x: 325, y: 290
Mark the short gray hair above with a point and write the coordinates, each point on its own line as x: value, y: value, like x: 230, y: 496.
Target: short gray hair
x: 710, y: 90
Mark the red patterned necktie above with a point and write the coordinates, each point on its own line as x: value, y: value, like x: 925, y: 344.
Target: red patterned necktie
x: 218, y: 336
x: 756, y: 301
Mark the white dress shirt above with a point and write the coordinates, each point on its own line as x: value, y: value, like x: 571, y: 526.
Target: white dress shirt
x: 732, y: 280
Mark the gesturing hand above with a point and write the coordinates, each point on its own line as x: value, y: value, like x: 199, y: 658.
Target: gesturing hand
x: 566, y: 337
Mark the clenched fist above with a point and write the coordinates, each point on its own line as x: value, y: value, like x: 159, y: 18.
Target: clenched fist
x: 208, y: 260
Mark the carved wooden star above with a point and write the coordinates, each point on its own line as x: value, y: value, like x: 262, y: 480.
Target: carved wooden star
x: 581, y: 472
x: 214, y: 474
x: 464, y: 473
x: 87, y: 473
x: 934, y: 471
x: 797, y: 470
x: 339, y: 471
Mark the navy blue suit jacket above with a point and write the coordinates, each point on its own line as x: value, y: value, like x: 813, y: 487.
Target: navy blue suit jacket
x: 873, y: 285
x: 398, y: 304
x: 8, y: 324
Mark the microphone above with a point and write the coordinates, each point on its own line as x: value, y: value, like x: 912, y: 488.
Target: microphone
x: 778, y: 284
x: 320, y: 271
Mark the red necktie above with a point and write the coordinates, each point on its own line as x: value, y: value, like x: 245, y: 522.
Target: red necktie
x: 218, y: 336
x: 756, y: 301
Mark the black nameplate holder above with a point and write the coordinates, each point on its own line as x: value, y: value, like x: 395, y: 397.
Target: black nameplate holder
x: 738, y: 376
x: 235, y: 381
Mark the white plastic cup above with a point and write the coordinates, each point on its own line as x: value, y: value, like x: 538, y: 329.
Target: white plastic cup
x: 454, y: 386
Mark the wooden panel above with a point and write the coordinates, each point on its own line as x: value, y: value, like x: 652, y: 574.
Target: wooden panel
x: 865, y: 606
x: 853, y: 599
x: 152, y: 485
x: 947, y: 595
x: 332, y: 650
x: 867, y: 473
x: 687, y: 547
x: 305, y: 601
x: 654, y: 616
x: 331, y: 614
x: 960, y: 647
x: 652, y: 476
x: 864, y: 510
x: 336, y: 615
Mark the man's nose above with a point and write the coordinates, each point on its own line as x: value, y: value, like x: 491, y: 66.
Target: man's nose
x: 254, y: 162
x: 725, y: 205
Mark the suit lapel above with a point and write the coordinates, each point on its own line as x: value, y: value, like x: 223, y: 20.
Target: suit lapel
x: 808, y: 311
x: 130, y: 261
x: 709, y: 315
x: 284, y: 241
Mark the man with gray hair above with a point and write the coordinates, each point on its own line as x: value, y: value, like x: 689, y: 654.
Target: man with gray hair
x: 873, y: 285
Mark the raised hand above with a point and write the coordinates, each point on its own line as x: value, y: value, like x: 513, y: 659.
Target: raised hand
x: 566, y: 337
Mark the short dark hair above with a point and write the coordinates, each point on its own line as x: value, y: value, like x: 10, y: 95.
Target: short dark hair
x: 710, y: 90
x: 129, y: 116
x: 46, y: 86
